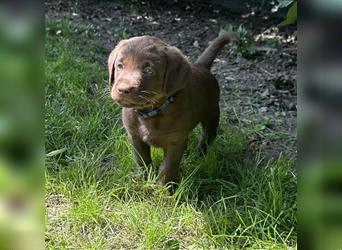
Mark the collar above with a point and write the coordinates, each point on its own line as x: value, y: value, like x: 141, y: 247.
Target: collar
x: 157, y: 111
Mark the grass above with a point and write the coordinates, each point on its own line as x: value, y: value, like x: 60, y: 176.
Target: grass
x: 98, y: 199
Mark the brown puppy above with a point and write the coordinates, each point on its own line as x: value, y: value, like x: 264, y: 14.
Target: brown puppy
x: 164, y: 97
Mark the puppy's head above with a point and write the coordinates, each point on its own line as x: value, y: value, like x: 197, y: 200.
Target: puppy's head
x: 144, y: 70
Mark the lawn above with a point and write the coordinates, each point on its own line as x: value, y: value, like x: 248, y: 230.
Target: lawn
x: 96, y: 198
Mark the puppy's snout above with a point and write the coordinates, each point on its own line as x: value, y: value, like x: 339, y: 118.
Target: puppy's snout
x: 125, y: 89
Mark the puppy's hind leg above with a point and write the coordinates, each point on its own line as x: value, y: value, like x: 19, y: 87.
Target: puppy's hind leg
x: 209, y: 129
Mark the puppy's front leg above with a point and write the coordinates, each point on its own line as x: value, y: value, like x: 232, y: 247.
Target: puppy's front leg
x: 141, y: 152
x: 169, y: 168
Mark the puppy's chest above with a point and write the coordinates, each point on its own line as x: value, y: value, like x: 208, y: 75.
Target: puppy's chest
x: 150, y: 133
x: 156, y: 133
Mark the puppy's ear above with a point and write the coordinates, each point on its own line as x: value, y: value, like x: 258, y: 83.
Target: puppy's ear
x: 177, y: 70
x: 111, y: 61
x: 111, y: 67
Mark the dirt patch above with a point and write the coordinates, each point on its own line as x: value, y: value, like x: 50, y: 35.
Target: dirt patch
x: 258, y: 93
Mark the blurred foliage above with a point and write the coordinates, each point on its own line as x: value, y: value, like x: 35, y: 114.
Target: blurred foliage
x: 21, y: 130
x: 291, y: 17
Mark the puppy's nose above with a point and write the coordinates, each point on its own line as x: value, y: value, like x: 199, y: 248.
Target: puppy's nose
x: 125, y: 88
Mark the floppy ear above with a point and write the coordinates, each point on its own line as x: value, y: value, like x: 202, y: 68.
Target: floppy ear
x: 177, y: 70
x: 111, y: 67
x: 111, y: 61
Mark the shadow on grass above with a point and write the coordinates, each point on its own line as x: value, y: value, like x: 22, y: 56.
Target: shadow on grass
x: 242, y: 196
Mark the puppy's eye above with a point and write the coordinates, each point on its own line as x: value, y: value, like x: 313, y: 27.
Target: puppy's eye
x: 148, y: 69
x: 119, y: 66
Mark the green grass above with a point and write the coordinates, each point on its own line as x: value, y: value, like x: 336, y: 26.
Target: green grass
x: 98, y: 199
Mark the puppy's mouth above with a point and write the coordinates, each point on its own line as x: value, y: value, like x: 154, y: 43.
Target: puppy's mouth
x: 128, y: 103
x: 137, y: 101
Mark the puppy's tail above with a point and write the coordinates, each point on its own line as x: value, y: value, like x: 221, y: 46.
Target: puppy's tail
x: 209, y: 54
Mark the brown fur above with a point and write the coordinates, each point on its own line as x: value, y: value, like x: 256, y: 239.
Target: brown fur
x: 143, y: 72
